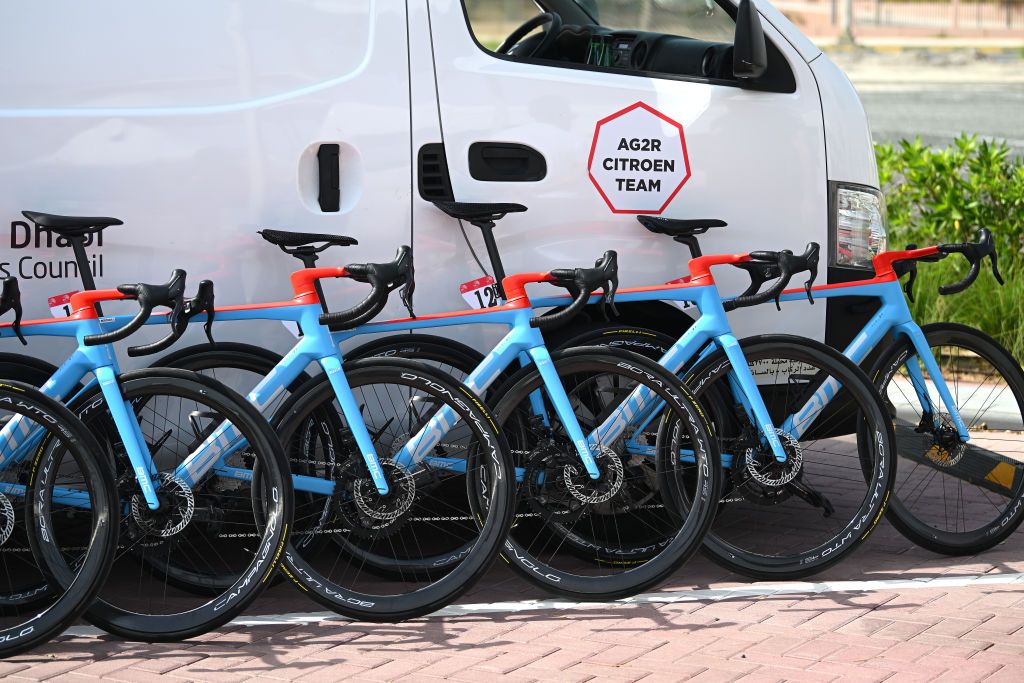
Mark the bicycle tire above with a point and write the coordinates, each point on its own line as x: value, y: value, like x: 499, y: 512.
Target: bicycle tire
x: 648, y: 343
x: 270, y: 501
x: 994, y: 506
x: 74, y: 592
x: 629, y: 576
x: 208, y: 358
x: 492, y: 517
x: 871, y: 461
x: 454, y: 357
x: 261, y: 362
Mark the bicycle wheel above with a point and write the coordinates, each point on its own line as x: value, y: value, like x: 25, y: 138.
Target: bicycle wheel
x: 222, y: 529
x: 73, y: 515
x: 793, y: 519
x: 647, y: 342
x: 441, y: 525
x: 951, y: 497
x: 447, y: 355
x: 590, y: 539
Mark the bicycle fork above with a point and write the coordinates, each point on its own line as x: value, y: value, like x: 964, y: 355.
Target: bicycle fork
x: 130, y: 432
x: 931, y: 366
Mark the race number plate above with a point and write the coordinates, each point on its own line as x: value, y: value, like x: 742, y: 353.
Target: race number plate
x: 60, y: 305
x: 480, y: 293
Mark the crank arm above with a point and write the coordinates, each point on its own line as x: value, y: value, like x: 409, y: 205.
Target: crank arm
x: 811, y: 496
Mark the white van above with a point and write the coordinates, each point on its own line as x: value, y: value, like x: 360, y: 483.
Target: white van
x: 199, y: 121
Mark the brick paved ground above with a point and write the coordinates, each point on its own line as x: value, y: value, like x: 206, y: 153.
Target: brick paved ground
x: 965, y: 633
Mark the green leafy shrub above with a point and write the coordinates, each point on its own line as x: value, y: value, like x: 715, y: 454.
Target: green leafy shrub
x: 945, y: 195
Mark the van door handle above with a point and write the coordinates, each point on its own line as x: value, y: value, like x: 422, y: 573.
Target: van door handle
x: 328, y: 165
x: 506, y: 162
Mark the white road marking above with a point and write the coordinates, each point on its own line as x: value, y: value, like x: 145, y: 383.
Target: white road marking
x: 667, y: 597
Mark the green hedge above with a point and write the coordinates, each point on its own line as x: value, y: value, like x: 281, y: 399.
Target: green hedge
x: 945, y: 195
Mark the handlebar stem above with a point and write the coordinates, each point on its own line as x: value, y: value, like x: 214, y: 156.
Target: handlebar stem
x: 883, y: 263
x: 515, y: 285
x: 305, y: 281
x: 700, y: 268
x: 84, y: 304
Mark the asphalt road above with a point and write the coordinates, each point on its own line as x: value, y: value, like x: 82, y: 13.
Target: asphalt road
x: 937, y: 96
x: 939, y: 112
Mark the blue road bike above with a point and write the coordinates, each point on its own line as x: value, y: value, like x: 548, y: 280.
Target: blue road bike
x: 33, y: 608
x: 184, y: 448
x: 620, y: 529
x: 954, y: 395
x: 427, y: 539
x: 786, y: 514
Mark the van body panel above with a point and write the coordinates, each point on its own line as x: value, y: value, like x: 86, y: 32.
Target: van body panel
x: 851, y: 154
x: 756, y: 161
x: 194, y: 160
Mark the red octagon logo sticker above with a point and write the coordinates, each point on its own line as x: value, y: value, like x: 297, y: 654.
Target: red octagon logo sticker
x: 638, y: 160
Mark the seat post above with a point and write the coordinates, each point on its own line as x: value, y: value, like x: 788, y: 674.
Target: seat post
x: 691, y: 242
x: 82, y: 259
x: 487, y: 228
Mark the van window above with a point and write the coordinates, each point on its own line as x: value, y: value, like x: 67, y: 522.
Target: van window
x: 676, y: 37
x: 700, y: 19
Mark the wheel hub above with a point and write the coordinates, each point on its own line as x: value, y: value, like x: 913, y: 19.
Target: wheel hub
x: 177, y: 506
x: 947, y: 449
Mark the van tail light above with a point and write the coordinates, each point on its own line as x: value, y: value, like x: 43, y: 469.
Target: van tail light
x: 857, y: 225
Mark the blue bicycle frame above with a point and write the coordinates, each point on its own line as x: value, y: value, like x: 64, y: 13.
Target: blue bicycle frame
x: 320, y: 345
x: 19, y: 440
x: 893, y: 316
x: 522, y: 343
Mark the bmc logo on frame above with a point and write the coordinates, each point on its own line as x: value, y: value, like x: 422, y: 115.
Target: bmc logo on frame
x: 638, y: 160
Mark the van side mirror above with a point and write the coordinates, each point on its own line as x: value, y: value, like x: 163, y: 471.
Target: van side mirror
x: 749, y: 57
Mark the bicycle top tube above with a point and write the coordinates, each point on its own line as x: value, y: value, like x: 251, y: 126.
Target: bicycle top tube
x: 305, y: 297
x: 83, y: 319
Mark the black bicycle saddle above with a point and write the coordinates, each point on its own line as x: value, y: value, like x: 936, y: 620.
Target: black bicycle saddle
x: 677, y: 227
x: 286, y: 238
x: 478, y: 213
x: 70, y: 226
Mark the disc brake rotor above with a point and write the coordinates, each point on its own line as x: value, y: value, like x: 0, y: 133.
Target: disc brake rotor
x: 368, y: 513
x: 557, y: 487
x: 6, y: 519
x: 177, y: 506
x: 759, y: 478
x: 594, y: 491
